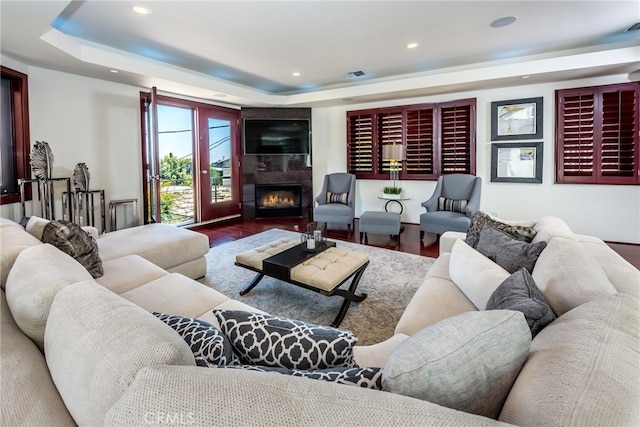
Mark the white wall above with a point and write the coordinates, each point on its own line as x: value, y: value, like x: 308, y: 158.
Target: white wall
x: 609, y: 212
x: 98, y: 122
x: 85, y: 120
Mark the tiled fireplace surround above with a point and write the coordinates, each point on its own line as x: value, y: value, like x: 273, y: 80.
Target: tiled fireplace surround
x: 280, y: 169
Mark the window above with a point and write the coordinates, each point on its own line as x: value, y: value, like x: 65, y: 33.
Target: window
x: 14, y: 135
x: 439, y: 139
x: 597, y: 134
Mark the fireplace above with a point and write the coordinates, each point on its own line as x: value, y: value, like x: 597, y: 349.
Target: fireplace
x: 278, y: 200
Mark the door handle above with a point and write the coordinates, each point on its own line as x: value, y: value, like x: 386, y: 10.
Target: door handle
x: 204, y: 171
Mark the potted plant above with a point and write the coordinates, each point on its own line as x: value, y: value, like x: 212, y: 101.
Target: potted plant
x: 392, y: 192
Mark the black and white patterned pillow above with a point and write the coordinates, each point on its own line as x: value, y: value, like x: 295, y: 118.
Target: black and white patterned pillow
x: 360, y: 377
x: 206, y: 341
x: 261, y: 339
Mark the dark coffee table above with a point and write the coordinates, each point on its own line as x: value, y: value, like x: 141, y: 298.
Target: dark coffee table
x: 283, y: 265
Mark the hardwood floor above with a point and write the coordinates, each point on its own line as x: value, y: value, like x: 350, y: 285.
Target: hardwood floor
x: 228, y: 231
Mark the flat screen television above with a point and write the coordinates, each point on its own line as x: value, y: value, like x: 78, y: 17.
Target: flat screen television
x: 276, y: 136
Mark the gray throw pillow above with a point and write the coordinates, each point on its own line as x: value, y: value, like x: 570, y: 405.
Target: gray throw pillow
x: 480, y: 219
x: 262, y: 339
x: 468, y: 362
x: 520, y: 293
x: 71, y: 239
x: 507, y: 251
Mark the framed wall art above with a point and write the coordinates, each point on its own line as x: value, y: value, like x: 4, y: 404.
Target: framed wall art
x: 516, y: 162
x: 516, y: 119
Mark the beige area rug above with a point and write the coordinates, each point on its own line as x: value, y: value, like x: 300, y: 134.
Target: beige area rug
x: 390, y: 280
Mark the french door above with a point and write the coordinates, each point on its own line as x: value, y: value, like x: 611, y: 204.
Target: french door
x: 191, y: 155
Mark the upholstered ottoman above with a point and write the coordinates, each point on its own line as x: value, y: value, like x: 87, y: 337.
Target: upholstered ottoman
x: 323, y: 271
x: 254, y: 257
x: 380, y: 223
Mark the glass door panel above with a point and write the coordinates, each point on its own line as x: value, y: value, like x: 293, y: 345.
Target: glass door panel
x: 220, y: 165
x: 175, y: 151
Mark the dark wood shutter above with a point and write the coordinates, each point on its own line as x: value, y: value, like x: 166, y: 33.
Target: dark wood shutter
x: 619, y: 147
x: 457, y: 139
x: 360, y: 143
x: 390, y: 126
x: 597, y: 135
x: 438, y: 138
x: 576, y: 127
x: 420, y: 142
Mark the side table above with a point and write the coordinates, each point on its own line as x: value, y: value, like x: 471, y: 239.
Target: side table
x: 398, y: 201
x: 84, y: 207
x: 113, y: 211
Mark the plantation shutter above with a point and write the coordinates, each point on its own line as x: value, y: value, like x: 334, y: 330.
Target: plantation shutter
x: 597, y: 135
x: 619, y: 149
x: 438, y: 138
x: 457, y: 140
x: 360, y: 143
x: 420, y: 142
x: 390, y: 125
x: 576, y: 128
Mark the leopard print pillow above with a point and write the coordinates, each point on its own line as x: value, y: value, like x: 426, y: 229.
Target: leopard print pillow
x: 480, y: 219
x: 71, y: 239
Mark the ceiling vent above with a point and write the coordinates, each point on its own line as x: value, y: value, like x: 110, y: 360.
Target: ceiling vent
x: 358, y: 73
x: 634, y: 27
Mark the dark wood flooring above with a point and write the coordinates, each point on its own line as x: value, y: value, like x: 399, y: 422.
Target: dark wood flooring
x: 228, y: 231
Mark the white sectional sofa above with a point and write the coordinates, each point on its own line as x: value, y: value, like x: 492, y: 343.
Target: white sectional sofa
x: 75, y: 350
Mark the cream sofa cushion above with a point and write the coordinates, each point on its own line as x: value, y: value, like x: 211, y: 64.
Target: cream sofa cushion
x: 37, y: 275
x: 29, y: 397
x: 436, y: 299
x: 476, y: 275
x: 128, y: 272
x: 549, y: 227
x: 164, y: 245
x: 14, y: 240
x: 229, y: 397
x: 95, y: 344
x: 568, y: 276
x: 583, y: 369
x: 622, y: 275
x: 176, y: 294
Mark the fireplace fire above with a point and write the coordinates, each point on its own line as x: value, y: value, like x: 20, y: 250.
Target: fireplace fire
x: 278, y: 200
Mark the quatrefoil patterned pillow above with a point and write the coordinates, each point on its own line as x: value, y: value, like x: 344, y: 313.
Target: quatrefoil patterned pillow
x: 206, y: 341
x: 359, y: 377
x: 262, y: 339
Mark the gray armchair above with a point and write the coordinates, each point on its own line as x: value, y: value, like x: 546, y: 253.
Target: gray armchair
x: 341, y: 209
x: 439, y: 219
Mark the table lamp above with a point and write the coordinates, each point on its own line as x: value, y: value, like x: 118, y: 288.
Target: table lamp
x: 394, y: 153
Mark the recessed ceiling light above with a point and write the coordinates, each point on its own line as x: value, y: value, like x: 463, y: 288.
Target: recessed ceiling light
x: 141, y: 10
x: 412, y: 45
x: 296, y: 74
x: 504, y: 21
x: 114, y: 71
x: 525, y: 77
